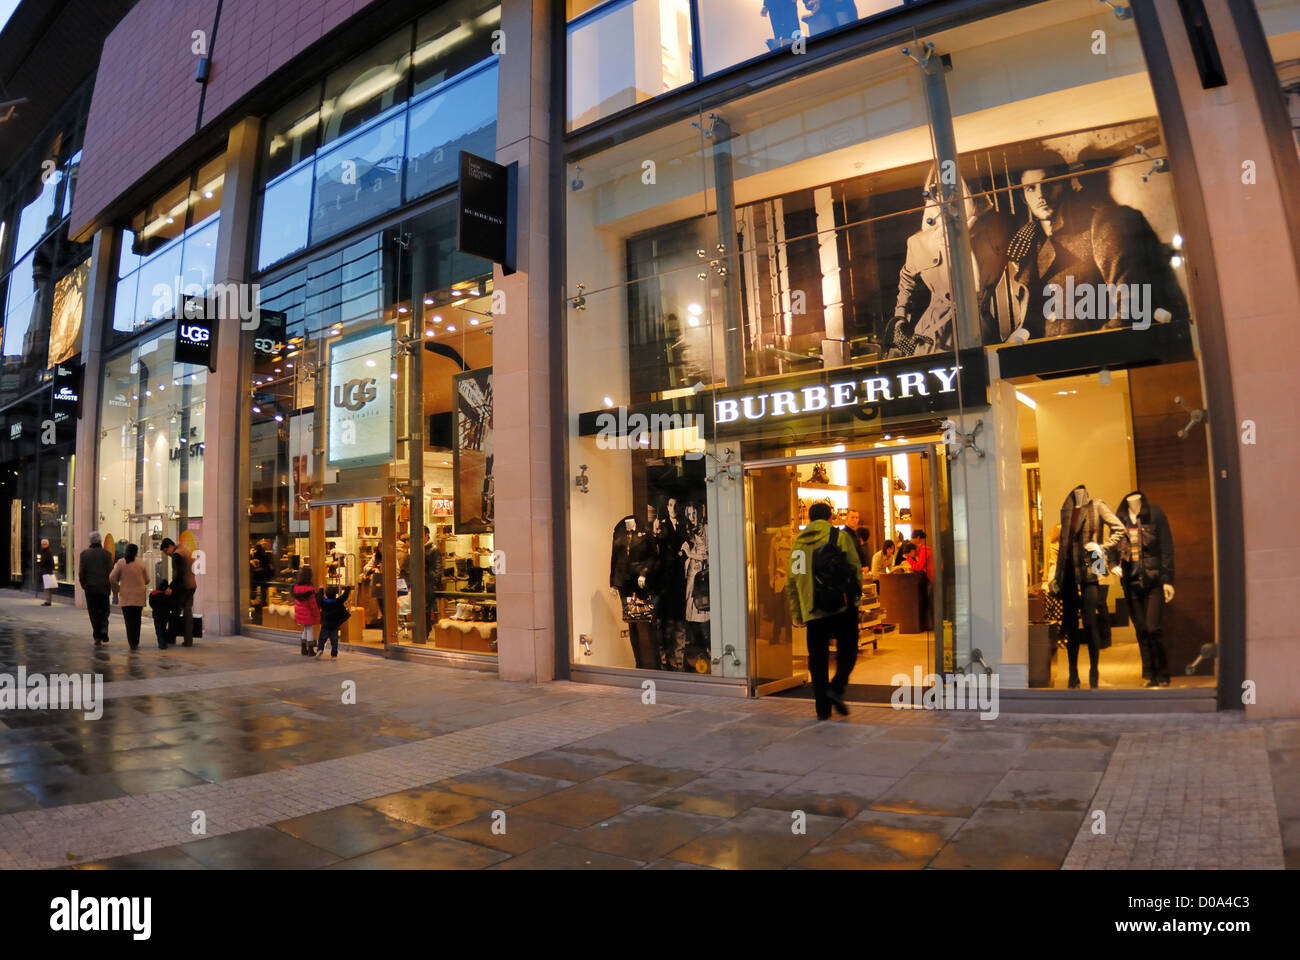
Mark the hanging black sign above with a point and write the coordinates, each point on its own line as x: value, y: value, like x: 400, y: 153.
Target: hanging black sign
x: 485, y: 222
x: 196, y: 334
x: 66, y: 397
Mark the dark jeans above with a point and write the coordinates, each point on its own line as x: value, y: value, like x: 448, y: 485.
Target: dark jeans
x: 97, y: 608
x: 332, y: 635
x: 162, y: 628
x: 183, y: 601
x: 844, y: 628
x: 1146, y: 607
x: 1081, y: 600
x: 132, y: 617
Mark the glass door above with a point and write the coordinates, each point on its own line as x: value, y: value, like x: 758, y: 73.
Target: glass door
x: 353, y: 546
x: 893, y: 500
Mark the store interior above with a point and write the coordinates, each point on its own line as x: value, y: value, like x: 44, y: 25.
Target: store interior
x: 459, y: 581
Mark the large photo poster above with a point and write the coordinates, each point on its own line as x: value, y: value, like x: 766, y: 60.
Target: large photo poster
x: 475, y: 495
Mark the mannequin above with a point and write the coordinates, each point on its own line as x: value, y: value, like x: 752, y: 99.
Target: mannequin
x: 1089, y: 532
x: 632, y: 572
x: 1146, y: 571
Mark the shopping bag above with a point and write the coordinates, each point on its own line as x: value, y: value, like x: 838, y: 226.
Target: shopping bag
x: 51, y: 581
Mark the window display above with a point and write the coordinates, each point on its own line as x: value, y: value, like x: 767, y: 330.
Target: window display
x: 370, y: 345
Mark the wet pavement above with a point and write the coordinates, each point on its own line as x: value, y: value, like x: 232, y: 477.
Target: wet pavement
x: 240, y: 753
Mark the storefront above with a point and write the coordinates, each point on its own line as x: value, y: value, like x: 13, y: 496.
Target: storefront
x: 944, y: 292
x: 369, y: 436
x: 43, y: 278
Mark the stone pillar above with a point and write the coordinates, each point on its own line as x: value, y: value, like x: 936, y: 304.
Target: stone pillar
x: 991, y: 610
x: 225, y: 473
x: 521, y: 358
x: 1236, y: 188
x: 85, y: 480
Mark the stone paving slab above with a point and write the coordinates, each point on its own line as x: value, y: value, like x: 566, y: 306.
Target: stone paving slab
x: 439, y: 768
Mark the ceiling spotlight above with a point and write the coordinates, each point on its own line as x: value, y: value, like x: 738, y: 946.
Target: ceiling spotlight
x: 429, y: 333
x: 428, y: 301
x: 473, y: 321
x: 451, y: 328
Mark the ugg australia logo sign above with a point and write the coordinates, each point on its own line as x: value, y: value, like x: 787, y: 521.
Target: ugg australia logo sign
x: 354, y: 394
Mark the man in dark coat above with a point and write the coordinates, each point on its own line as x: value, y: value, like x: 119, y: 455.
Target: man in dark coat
x: 93, y: 568
x: 183, y: 585
x: 1076, y: 240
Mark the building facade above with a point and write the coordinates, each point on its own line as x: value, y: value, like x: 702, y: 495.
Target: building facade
x: 984, y: 277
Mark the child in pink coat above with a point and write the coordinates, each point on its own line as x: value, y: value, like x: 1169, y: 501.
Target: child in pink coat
x: 306, y: 613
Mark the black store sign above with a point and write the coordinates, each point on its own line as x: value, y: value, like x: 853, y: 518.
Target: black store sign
x: 67, y: 389
x: 196, y: 338
x: 485, y: 224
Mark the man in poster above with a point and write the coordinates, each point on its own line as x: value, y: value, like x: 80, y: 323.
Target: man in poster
x: 1077, y: 239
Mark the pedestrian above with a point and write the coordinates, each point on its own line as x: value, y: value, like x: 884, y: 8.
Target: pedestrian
x: 823, y: 588
x: 306, y: 612
x: 881, y: 560
x: 183, y: 584
x: 45, y: 567
x: 160, y: 602
x: 333, y: 613
x: 93, y: 568
x: 131, y: 581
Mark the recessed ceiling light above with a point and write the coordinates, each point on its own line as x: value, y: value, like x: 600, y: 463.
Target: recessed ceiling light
x: 451, y: 328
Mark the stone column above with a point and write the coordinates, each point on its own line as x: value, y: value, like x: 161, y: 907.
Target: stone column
x: 225, y: 471
x: 85, y: 480
x: 1237, y: 179
x: 521, y: 358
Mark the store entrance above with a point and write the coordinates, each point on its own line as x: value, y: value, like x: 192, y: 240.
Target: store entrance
x: 353, y: 546
x: 891, y: 497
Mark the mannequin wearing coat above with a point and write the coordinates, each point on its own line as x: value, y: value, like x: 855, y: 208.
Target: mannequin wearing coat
x: 1147, y: 575
x: 1089, y: 534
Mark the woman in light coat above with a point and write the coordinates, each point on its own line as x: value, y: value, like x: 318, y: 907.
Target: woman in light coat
x: 130, y: 580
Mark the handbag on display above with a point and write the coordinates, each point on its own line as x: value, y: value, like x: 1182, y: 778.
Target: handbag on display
x: 402, y: 587
x: 700, y: 589
x: 635, y: 609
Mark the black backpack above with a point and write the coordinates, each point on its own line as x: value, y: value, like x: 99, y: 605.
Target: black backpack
x: 835, y: 582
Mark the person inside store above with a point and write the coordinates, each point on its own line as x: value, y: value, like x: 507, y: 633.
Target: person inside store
x: 822, y: 589
x: 93, y: 568
x: 131, y: 581
x: 262, y: 569
x: 907, y: 559
x: 860, y: 534
x: 45, y: 570
x: 882, y: 559
x: 432, y: 577
x: 183, y: 587
x: 372, y: 575
x: 924, y: 559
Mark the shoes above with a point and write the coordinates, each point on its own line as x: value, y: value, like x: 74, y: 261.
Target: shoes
x: 188, y: 643
x: 46, y: 604
x: 1164, y: 681
x: 823, y: 716
x: 320, y: 653
x: 837, y: 701
x: 334, y: 656
x: 304, y: 649
x: 1153, y: 682
x: 1074, y: 683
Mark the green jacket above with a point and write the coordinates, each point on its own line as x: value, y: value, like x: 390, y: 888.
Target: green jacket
x: 799, y: 586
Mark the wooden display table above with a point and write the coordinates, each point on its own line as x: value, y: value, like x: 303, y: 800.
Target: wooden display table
x: 472, y: 636
x: 903, y: 597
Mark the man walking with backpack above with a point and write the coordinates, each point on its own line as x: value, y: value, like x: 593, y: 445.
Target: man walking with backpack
x: 823, y: 589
